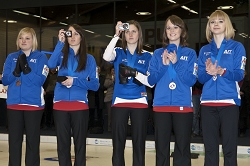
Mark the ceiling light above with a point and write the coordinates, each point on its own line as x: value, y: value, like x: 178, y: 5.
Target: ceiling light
x: 192, y: 11
x: 24, y: 13
x: 185, y: 7
x: 225, y: 7
x: 62, y: 23
x: 143, y: 13
x: 10, y: 21
x: 109, y: 36
x: 188, y: 9
x: 41, y: 17
x: 171, y: 1
x: 89, y: 31
x: 243, y: 35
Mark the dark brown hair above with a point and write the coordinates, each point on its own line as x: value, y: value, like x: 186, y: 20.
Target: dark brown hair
x: 82, y: 52
x: 140, y: 38
x: 180, y: 23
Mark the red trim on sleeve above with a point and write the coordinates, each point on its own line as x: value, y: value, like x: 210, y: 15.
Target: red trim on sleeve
x: 223, y: 72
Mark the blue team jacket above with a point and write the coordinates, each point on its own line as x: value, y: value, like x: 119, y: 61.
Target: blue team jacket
x: 186, y: 72
x: 30, y: 91
x: 141, y: 63
x: 83, y: 81
x: 233, y: 60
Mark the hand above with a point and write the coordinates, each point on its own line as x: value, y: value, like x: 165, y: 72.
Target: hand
x: 24, y: 64
x: 220, y: 70
x: 117, y: 29
x: 61, y: 35
x: 212, y: 69
x: 172, y: 57
x: 17, y: 71
x: 126, y: 71
x: 165, y: 59
x: 123, y: 80
x: 68, y: 82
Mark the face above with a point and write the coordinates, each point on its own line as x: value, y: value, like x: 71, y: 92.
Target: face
x: 132, y: 35
x: 75, y: 39
x: 25, y: 41
x: 173, y: 33
x: 217, y: 26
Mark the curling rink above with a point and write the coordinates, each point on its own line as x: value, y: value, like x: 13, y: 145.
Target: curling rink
x: 99, y: 152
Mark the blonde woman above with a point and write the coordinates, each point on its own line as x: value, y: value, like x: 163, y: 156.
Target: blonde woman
x: 221, y: 66
x: 25, y: 72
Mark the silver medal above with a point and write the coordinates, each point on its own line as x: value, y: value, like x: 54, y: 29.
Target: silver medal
x: 214, y: 78
x: 172, y: 85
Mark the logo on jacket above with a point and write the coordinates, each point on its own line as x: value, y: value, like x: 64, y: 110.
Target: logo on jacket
x: 195, y: 71
x: 207, y: 53
x: 185, y: 58
x: 141, y: 61
x: 243, y: 63
x: 227, y: 52
x: 33, y: 60
x: 45, y: 71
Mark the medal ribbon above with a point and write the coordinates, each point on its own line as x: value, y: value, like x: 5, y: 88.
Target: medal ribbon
x: 131, y: 58
x: 172, y: 48
x: 72, y: 64
x: 218, y: 57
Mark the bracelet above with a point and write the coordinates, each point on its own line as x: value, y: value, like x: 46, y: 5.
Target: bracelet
x: 116, y: 35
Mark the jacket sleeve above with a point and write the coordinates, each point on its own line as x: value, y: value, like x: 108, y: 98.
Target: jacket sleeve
x: 156, y: 68
x: 187, y: 73
x: 203, y: 77
x: 55, y: 58
x: 8, y: 77
x: 237, y: 73
x: 109, y: 53
x: 92, y: 82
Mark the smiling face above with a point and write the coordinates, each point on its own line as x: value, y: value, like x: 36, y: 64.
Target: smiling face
x: 25, y: 42
x: 75, y: 39
x: 217, y: 26
x: 132, y: 34
x: 173, y: 33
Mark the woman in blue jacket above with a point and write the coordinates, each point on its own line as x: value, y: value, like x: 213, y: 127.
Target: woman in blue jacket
x: 129, y: 98
x: 25, y: 72
x: 173, y: 70
x: 221, y: 66
x: 76, y: 75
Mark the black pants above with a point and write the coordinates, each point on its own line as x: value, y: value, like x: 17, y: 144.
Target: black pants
x: 182, y: 126
x: 48, y: 110
x: 17, y: 121
x: 78, y: 122
x: 108, y: 108
x: 214, y: 121
x: 92, y: 117
x: 119, y: 118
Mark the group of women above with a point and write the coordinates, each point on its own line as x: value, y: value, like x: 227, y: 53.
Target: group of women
x: 172, y: 70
